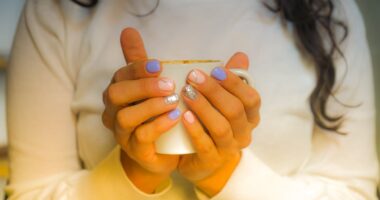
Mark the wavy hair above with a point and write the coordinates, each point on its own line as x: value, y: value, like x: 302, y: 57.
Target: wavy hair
x: 313, y: 23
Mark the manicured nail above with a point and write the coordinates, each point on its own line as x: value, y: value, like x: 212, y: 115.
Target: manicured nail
x: 152, y: 66
x: 190, y: 92
x: 174, y: 114
x: 166, y: 84
x: 196, y: 76
x: 219, y: 73
x: 172, y: 99
x: 189, y: 117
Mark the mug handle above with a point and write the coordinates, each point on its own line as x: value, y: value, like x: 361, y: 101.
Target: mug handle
x: 242, y: 73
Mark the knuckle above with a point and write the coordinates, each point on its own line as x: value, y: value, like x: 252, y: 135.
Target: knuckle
x: 205, y: 149
x: 113, y: 94
x: 222, y: 131
x: 253, y: 100
x: 124, y: 120
x: 216, y: 163
x: 256, y: 121
x: 235, y: 110
x: 142, y: 135
x: 245, y: 142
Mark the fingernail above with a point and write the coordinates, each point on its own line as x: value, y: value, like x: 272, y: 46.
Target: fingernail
x: 174, y: 114
x: 190, y: 92
x: 166, y: 84
x: 189, y: 117
x: 152, y: 66
x: 219, y: 73
x: 172, y: 99
x: 196, y: 76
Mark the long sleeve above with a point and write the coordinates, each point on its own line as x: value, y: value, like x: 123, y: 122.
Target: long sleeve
x: 44, y: 78
x: 339, y: 166
x: 42, y: 128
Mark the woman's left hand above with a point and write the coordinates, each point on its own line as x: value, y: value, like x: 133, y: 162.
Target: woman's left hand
x: 228, y: 111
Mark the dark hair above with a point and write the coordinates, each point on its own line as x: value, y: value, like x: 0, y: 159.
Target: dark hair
x: 313, y: 21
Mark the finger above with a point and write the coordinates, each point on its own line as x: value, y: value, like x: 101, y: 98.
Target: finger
x: 142, y: 147
x: 132, y: 116
x: 137, y: 70
x: 132, y: 45
x: 246, y: 94
x: 230, y: 106
x: 238, y: 60
x: 125, y: 92
x: 202, y: 143
x: 216, y: 124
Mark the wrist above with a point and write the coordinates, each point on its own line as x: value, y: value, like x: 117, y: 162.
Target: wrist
x: 213, y: 184
x: 143, y: 179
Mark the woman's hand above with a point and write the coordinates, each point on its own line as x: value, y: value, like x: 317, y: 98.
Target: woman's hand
x: 134, y: 96
x: 228, y: 110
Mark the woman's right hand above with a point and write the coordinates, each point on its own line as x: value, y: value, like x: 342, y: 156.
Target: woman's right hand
x: 135, y: 95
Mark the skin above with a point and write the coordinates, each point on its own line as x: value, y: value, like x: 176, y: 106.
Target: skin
x: 218, y: 132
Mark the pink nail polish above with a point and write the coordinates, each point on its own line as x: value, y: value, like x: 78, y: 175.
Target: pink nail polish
x: 196, y: 76
x: 166, y: 84
x: 189, y: 117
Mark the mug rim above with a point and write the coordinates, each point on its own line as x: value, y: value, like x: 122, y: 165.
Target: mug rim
x: 189, y: 61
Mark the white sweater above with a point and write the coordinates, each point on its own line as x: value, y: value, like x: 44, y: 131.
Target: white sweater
x: 64, y: 57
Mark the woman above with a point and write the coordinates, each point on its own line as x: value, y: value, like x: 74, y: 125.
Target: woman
x: 313, y: 87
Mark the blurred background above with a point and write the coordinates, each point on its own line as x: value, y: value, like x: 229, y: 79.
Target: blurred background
x: 10, y: 11
x: 371, y: 13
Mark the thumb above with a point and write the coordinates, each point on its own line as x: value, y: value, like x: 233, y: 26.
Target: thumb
x: 132, y: 45
x: 238, y: 60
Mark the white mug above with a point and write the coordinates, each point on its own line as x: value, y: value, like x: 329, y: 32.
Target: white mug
x: 176, y: 140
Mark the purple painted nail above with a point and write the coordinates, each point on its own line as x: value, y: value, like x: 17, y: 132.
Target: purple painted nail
x: 219, y: 73
x: 174, y: 114
x: 152, y: 66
